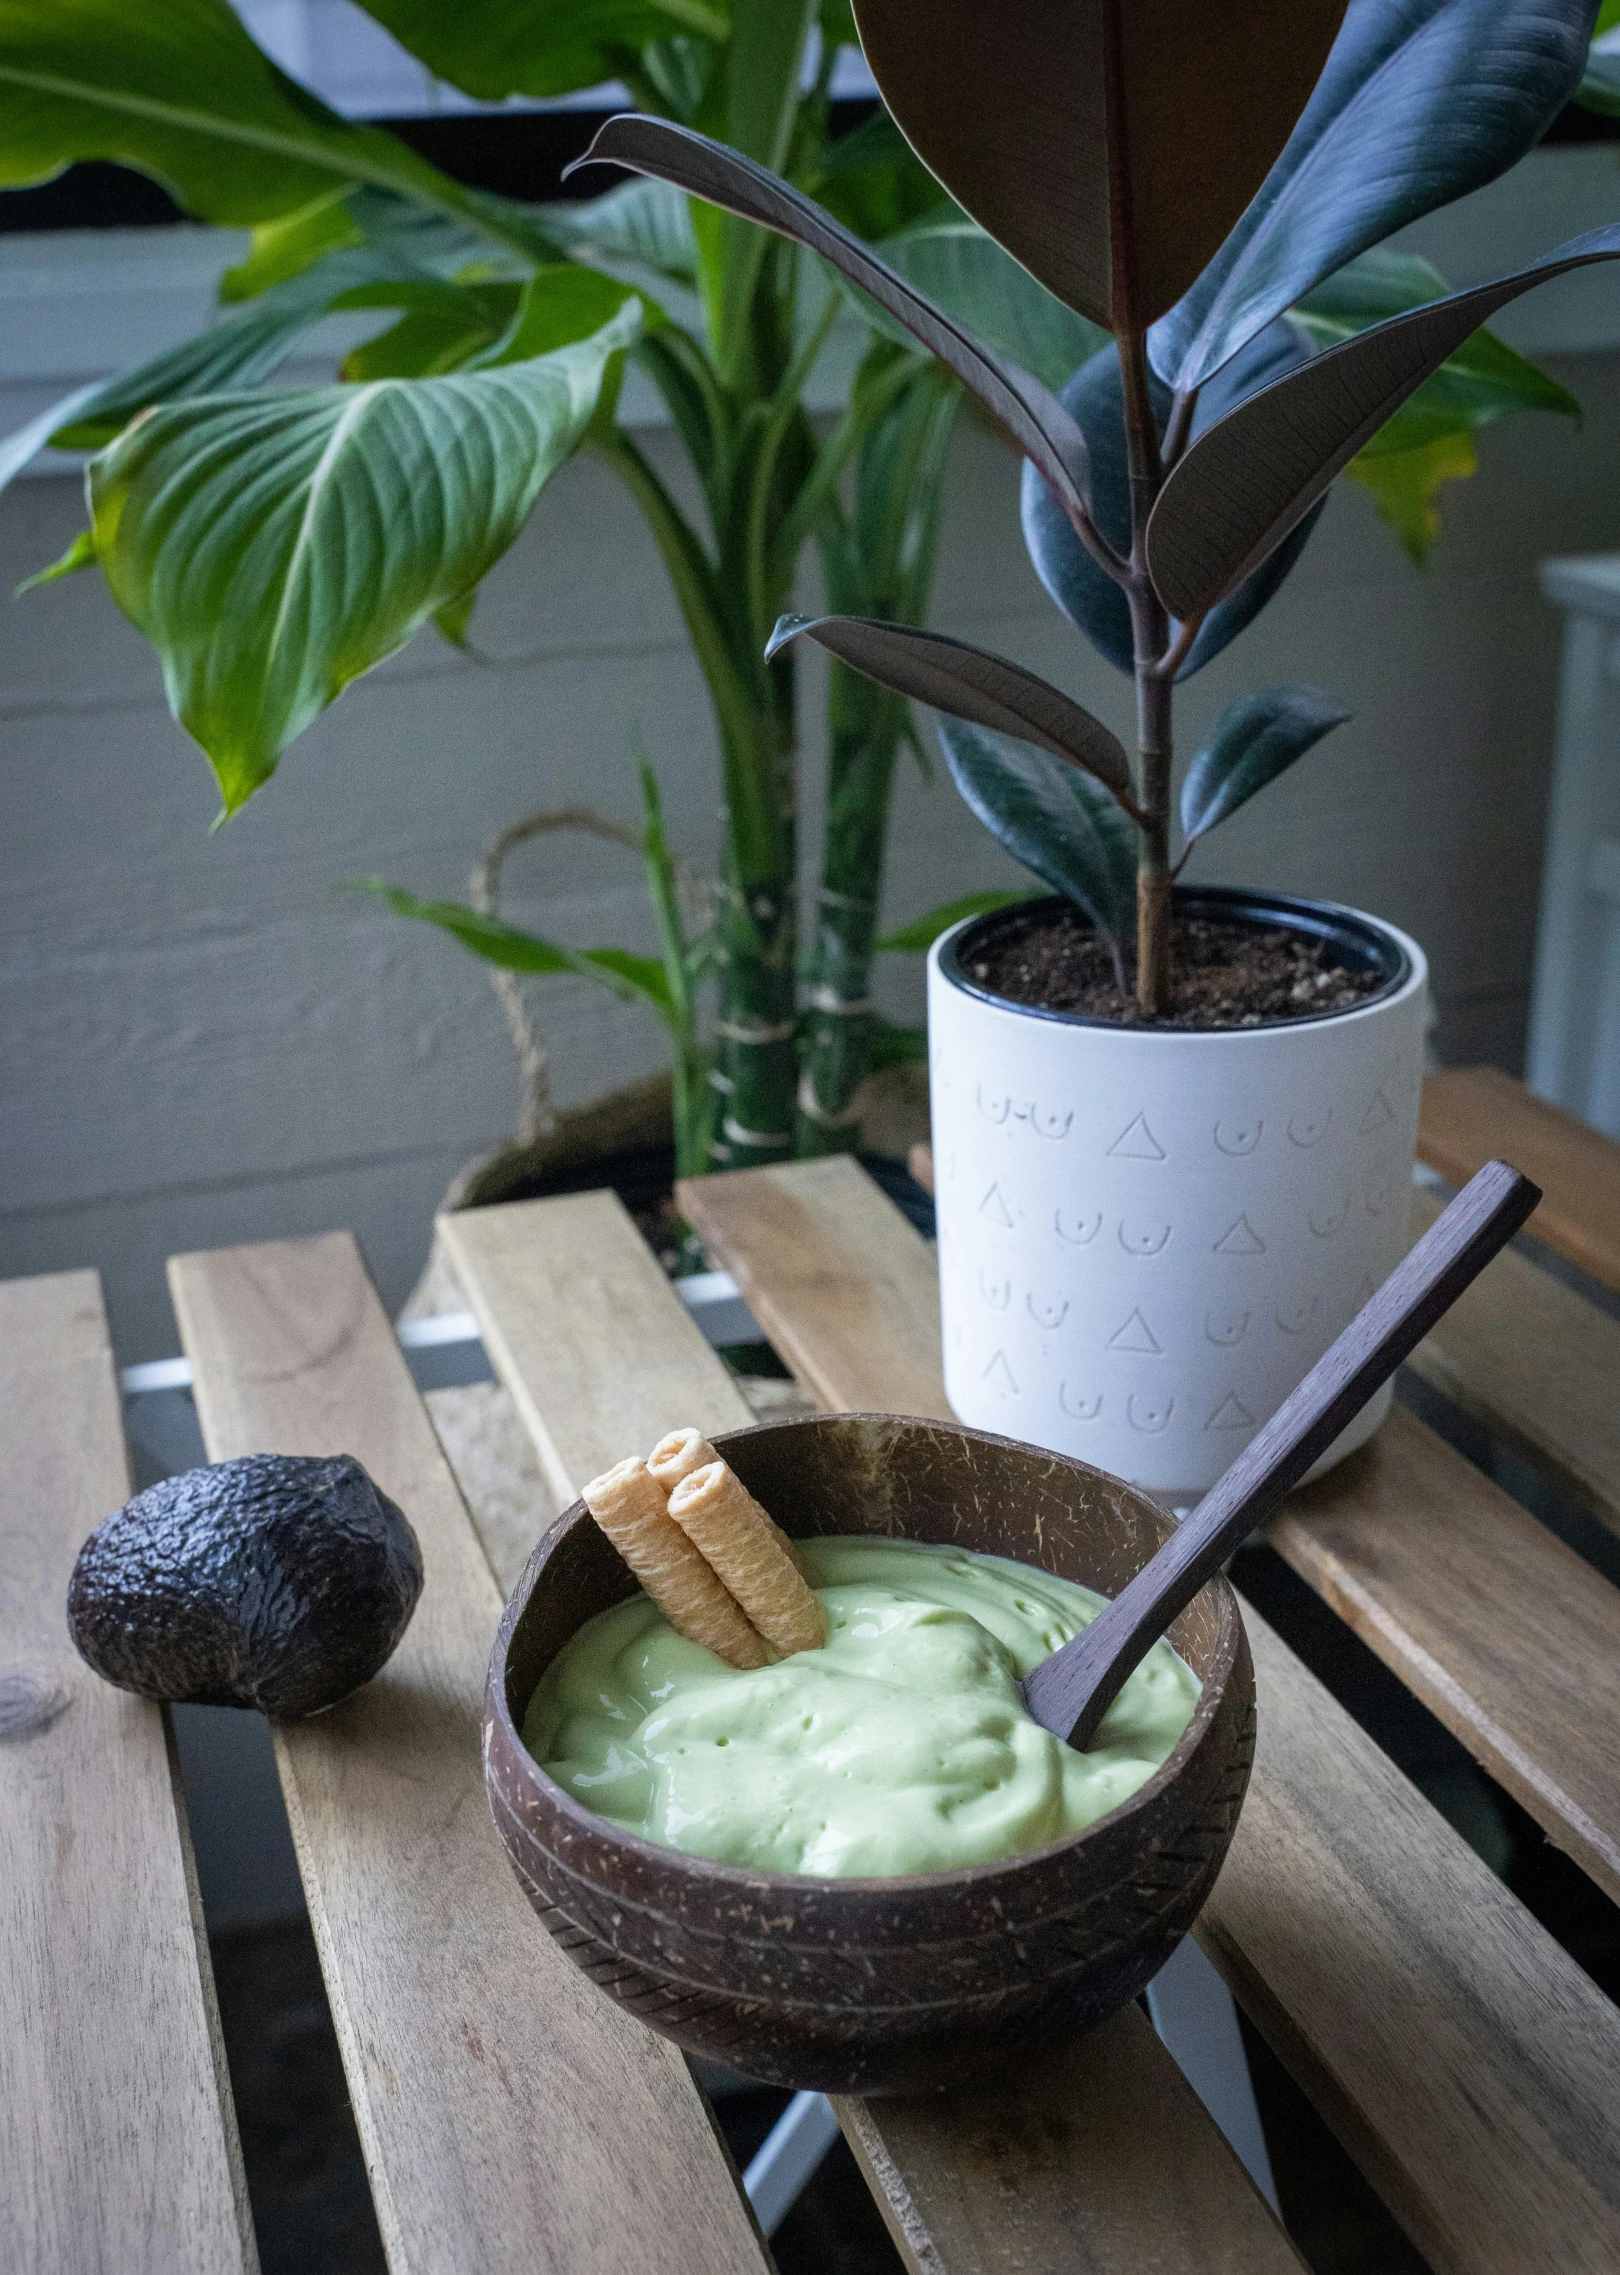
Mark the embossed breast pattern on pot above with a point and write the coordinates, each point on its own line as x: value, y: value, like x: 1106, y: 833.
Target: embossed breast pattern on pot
x: 1146, y: 1239
x: 861, y: 1986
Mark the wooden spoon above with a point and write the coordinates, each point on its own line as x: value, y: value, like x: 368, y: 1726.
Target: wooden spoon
x: 1070, y: 1692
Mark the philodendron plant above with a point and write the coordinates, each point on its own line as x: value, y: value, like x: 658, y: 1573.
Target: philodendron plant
x: 1210, y: 187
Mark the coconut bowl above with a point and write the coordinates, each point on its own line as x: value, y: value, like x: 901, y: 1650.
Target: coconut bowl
x: 882, y: 1985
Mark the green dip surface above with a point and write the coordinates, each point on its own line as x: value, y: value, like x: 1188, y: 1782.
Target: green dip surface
x: 902, y: 1746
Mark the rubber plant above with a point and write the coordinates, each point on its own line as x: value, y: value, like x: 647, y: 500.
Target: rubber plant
x: 1171, y: 485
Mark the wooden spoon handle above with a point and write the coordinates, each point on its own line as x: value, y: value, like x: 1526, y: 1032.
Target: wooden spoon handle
x: 1070, y: 1692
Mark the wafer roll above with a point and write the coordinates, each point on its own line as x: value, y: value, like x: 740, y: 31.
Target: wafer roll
x: 721, y: 1517
x: 682, y: 1452
x: 678, y: 1455
x: 628, y: 1503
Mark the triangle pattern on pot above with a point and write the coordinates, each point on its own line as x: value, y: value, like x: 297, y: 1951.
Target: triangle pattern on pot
x: 994, y: 1206
x: 1377, y: 1114
x: 999, y: 1373
x: 1136, y: 1142
x: 1231, y: 1414
x: 1240, y: 1239
x: 1135, y: 1335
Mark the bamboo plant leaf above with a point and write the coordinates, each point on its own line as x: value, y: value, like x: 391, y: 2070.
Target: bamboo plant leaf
x: 1247, y: 482
x: 971, y: 277
x: 490, y: 49
x: 1085, y: 138
x: 1051, y: 818
x: 633, y: 979
x: 1420, y: 101
x: 1033, y: 419
x: 1087, y: 595
x: 182, y: 92
x: 642, y: 221
x: 917, y: 937
x: 969, y: 683
x: 274, y: 544
x: 1253, y: 741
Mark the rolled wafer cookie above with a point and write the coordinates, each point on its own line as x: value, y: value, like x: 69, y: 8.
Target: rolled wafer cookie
x: 678, y: 1455
x: 682, y: 1452
x: 629, y: 1505
x: 718, y: 1513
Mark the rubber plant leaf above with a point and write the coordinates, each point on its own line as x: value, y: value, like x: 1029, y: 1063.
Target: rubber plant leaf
x: 1085, y: 137
x: 1033, y: 419
x: 181, y: 92
x: 1253, y: 741
x: 633, y: 979
x: 1420, y: 101
x: 917, y: 937
x: 1254, y: 475
x: 1087, y: 595
x: 1050, y: 817
x: 969, y: 683
x: 274, y: 544
x: 491, y: 49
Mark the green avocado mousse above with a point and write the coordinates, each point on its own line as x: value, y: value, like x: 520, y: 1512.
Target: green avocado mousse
x: 902, y: 1745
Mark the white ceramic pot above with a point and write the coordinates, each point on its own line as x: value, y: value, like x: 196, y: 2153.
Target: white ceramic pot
x: 1146, y: 1237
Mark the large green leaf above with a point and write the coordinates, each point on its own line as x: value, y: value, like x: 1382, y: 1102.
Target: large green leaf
x: 1420, y: 101
x: 968, y: 274
x: 1109, y: 148
x: 1246, y: 483
x: 632, y: 978
x: 1405, y: 485
x: 178, y: 89
x: 493, y: 48
x: 274, y: 544
x: 642, y: 222
x: 1253, y: 741
x: 1051, y: 817
x: 920, y: 934
x: 969, y: 683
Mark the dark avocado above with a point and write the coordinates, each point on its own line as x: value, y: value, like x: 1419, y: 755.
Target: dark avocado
x: 281, y: 1582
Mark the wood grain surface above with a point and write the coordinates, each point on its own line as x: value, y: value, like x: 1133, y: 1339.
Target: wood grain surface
x: 118, y: 2147
x: 1537, y: 1363
x: 1507, y: 1635
x: 1052, y: 2173
x: 611, y: 1380
x: 512, y: 2119
x: 1471, y: 1113
x: 1463, y: 2058
x: 852, y: 1308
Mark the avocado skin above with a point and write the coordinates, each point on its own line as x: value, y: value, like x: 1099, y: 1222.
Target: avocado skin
x: 281, y: 1582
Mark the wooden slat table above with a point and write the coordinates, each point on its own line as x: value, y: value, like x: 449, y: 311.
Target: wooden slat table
x: 510, y: 2116
x: 1470, y: 1113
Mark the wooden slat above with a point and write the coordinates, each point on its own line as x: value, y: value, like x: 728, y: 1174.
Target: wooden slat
x: 1466, y: 2061
x: 1538, y: 1364
x: 1471, y: 1113
x: 512, y: 2118
x: 1503, y: 1632
x: 1104, y: 2160
x: 853, y: 1310
x: 118, y: 2146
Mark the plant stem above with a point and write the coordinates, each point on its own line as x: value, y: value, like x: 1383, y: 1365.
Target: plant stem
x: 756, y: 1055
x: 1150, y: 635
x: 865, y: 727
